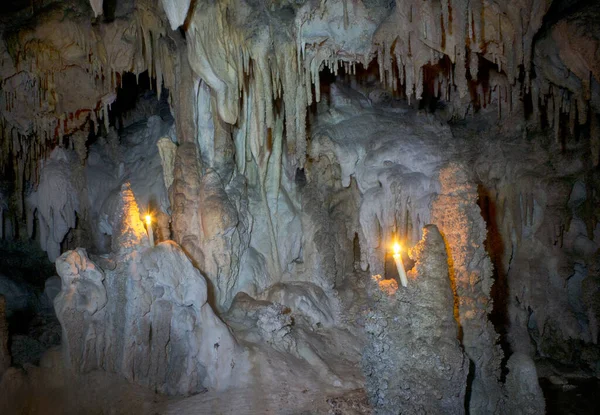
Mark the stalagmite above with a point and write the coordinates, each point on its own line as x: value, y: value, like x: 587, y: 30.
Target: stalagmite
x: 459, y: 219
x: 395, y: 359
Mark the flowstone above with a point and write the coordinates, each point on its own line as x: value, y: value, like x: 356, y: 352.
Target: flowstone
x: 147, y: 318
x: 413, y: 362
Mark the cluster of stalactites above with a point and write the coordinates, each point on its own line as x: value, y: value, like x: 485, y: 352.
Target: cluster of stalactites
x: 451, y: 39
x: 33, y: 120
x: 259, y: 71
x: 447, y: 39
x: 420, y: 34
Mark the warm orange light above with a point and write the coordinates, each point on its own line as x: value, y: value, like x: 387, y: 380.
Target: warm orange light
x: 148, y: 220
x: 397, y: 248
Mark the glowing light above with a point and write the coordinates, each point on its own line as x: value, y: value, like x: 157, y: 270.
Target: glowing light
x: 148, y: 219
x: 399, y: 265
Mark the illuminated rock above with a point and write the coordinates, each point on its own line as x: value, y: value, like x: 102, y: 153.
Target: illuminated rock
x: 456, y: 213
x: 145, y: 317
x: 413, y: 362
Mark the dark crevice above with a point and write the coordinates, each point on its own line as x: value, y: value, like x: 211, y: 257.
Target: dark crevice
x: 108, y: 10
x: 469, y: 390
x: 494, y: 246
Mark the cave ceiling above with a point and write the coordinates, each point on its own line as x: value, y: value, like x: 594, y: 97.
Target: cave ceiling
x: 61, y: 62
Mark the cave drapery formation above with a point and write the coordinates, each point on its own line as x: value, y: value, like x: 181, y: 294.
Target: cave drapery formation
x: 281, y: 147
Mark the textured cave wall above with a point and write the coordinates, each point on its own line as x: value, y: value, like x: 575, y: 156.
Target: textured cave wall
x: 541, y: 225
x: 145, y: 316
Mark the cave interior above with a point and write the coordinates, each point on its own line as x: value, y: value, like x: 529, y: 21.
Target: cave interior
x: 299, y: 206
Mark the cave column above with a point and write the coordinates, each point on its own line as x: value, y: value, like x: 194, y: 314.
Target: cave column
x: 458, y: 216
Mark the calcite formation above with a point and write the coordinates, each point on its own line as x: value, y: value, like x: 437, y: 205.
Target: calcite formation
x: 459, y: 219
x: 147, y: 318
x: 480, y: 52
x: 414, y: 362
x: 523, y: 392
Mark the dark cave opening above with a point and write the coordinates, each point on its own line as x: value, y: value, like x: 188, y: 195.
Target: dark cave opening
x: 137, y: 98
x: 32, y: 325
x: 494, y: 246
x: 108, y: 8
x: 356, y: 251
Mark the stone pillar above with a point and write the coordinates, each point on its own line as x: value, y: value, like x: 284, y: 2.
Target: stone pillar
x: 524, y: 395
x: 413, y: 362
x: 458, y: 216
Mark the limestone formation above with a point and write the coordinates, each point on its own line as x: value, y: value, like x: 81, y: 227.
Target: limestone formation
x: 414, y: 362
x: 523, y: 393
x: 167, y: 149
x: 456, y: 213
x: 56, y: 201
x: 146, y: 319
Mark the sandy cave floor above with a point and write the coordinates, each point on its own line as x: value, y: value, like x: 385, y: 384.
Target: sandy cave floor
x: 287, y: 387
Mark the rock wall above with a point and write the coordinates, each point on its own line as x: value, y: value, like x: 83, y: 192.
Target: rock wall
x: 4, y: 353
x: 523, y: 393
x: 143, y: 314
x: 414, y: 362
x: 542, y: 212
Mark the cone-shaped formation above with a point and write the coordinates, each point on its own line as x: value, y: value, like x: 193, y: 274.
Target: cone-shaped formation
x: 459, y: 218
x: 128, y: 228
x: 414, y: 363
